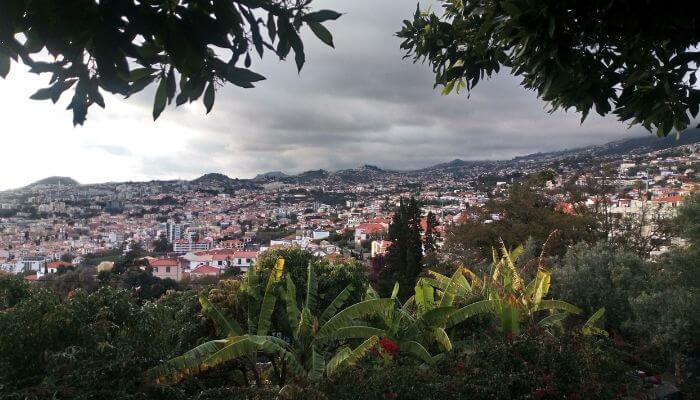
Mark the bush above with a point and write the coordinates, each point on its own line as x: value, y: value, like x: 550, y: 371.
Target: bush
x: 534, y: 365
x: 600, y: 276
x: 91, y: 346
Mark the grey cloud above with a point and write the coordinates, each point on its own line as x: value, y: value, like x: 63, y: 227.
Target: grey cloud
x: 361, y: 103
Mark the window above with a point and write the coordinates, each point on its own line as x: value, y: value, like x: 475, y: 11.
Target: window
x: 167, y: 270
x: 155, y: 269
x: 239, y: 260
x: 247, y: 260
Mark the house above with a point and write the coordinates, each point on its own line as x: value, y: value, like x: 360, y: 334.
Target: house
x: 51, y: 268
x: 365, y: 230
x: 166, y: 268
x: 244, y: 259
x: 379, y: 247
x: 204, y: 270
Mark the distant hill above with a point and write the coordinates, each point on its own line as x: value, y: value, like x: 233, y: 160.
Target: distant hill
x: 56, y: 180
x: 270, y: 175
x: 623, y: 147
x: 213, y: 178
x: 454, y: 164
x: 313, y: 174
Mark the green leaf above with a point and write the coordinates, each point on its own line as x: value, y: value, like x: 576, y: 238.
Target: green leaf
x: 357, y: 332
x: 187, y: 364
x: 231, y: 327
x: 479, y: 307
x: 311, y: 287
x: 270, y: 299
x: 170, y: 85
x: 271, y: 27
x: 322, y: 33
x: 4, y: 65
x: 590, y: 327
x: 443, y: 339
x: 343, y: 318
x: 140, y: 73
x: 336, y: 304
x: 209, y: 95
x: 558, y: 305
x: 160, y: 99
x: 417, y: 350
x: 291, y: 303
x: 242, y: 77
x: 552, y: 319
x: 321, y: 16
x: 318, y: 365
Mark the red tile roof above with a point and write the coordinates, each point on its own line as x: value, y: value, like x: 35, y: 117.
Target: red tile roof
x: 162, y: 262
x: 205, y: 269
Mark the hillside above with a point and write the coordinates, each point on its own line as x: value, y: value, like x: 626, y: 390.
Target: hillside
x: 56, y: 180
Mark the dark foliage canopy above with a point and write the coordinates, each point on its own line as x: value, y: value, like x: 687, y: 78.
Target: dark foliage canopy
x: 189, y: 48
x: 635, y: 59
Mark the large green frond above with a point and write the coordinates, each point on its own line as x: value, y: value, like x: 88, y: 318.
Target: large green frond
x: 416, y: 350
x: 338, y: 359
x: 370, y: 293
x: 357, y: 332
x: 234, y: 348
x: 442, y: 339
x: 395, y: 291
x: 424, y: 297
x: 188, y: 363
x: 346, y: 357
x: 311, y: 287
x: 318, y: 365
x: 456, y: 286
x: 437, y: 316
x: 558, y: 305
x: 267, y: 306
x: 468, y: 311
x: 230, y: 326
x: 590, y: 328
x: 552, y: 319
x: 336, y: 304
x: 291, y: 303
x: 344, y: 317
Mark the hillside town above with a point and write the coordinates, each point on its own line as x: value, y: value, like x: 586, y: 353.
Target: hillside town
x: 200, y: 228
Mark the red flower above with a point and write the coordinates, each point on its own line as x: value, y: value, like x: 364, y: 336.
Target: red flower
x: 459, y: 366
x: 618, y: 341
x: 547, y: 379
x: 72, y: 294
x: 388, y: 346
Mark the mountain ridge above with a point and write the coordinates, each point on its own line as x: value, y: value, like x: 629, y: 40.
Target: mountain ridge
x: 367, y: 171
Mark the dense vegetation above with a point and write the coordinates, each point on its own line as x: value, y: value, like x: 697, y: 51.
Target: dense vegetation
x: 545, y: 327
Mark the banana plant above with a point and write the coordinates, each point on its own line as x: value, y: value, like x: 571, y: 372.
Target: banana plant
x: 303, y: 356
x: 510, y: 300
x: 418, y: 325
x: 311, y: 335
x: 237, y: 344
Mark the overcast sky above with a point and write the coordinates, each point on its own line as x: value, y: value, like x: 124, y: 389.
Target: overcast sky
x: 358, y: 104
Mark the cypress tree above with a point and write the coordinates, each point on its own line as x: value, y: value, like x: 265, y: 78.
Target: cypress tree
x: 404, y: 260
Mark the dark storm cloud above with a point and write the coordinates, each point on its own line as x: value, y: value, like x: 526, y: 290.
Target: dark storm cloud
x: 361, y: 103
